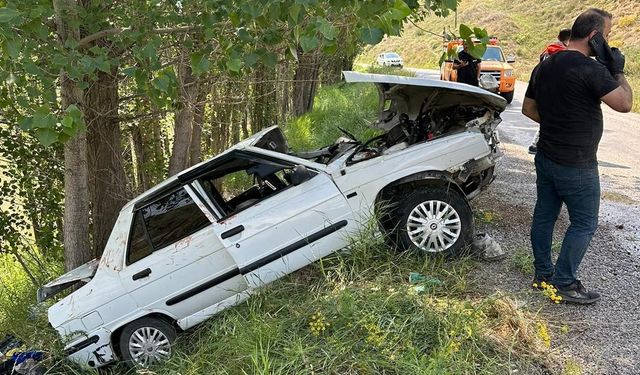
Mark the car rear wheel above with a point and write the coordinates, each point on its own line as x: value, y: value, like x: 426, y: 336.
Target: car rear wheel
x: 434, y: 221
x: 147, y: 341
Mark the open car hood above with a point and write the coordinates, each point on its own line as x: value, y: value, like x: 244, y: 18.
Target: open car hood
x: 83, y: 273
x: 412, y: 96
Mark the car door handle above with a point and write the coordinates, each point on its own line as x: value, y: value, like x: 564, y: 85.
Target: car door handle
x: 232, y: 232
x: 142, y: 274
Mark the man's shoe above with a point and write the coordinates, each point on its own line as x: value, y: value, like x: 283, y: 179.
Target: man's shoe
x: 539, y: 279
x: 533, y: 149
x: 577, y: 293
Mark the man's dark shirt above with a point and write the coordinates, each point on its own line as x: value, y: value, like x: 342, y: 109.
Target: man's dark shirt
x: 567, y: 88
x: 468, y: 74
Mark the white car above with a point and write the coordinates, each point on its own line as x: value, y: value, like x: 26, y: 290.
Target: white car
x: 390, y: 59
x: 204, y: 239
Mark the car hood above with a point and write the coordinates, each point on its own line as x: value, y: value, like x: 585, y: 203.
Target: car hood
x: 413, y: 95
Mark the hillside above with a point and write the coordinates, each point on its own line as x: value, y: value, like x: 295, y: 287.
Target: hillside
x: 524, y: 28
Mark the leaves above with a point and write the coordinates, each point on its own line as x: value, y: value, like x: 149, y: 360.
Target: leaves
x: 199, y: 63
x: 8, y: 14
x: 46, y: 136
x: 371, y: 35
x: 309, y: 42
x: 12, y: 48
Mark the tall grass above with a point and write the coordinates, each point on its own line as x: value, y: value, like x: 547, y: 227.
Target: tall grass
x: 356, y: 312
x: 350, y: 106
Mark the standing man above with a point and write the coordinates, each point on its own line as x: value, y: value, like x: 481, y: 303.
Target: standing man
x: 559, y: 45
x: 564, y: 96
x: 468, y: 67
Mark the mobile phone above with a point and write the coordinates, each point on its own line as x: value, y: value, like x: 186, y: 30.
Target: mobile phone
x: 600, y: 47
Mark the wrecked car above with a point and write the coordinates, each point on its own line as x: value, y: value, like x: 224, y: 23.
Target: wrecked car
x: 204, y: 239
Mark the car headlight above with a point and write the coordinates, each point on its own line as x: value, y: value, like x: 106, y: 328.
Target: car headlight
x: 508, y: 73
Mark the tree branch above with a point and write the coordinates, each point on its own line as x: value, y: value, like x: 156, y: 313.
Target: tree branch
x: 86, y: 41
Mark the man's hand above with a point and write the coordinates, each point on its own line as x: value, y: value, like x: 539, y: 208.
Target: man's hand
x: 616, y: 63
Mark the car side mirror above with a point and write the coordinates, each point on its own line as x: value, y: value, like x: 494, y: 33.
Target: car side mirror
x: 511, y: 59
x: 299, y: 175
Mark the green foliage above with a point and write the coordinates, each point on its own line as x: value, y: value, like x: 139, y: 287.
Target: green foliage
x: 334, y: 107
x: 232, y: 38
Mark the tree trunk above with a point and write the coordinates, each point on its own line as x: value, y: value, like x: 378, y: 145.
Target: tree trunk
x: 264, y: 100
x: 305, y: 83
x: 76, y: 192
x: 137, y: 146
x: 198, y: 122
x: 184, y: 119
x: 108, y: 182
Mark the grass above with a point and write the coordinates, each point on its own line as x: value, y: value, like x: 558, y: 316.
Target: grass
x: 524, y: 28
x: 355, y: 312
x: 523, y: 260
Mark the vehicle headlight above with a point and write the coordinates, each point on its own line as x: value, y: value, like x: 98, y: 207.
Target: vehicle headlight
x: 508, y: 73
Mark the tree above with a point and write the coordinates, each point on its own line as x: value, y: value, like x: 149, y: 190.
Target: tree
x: 163, y: 51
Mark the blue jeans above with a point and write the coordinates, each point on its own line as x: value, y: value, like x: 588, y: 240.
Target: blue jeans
x: 579, y: 190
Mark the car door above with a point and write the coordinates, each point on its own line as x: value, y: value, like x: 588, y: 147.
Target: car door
x: 293, y: 225
x: 175, y: 261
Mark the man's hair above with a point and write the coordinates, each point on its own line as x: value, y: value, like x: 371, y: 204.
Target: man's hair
x: 589, y: 20
x: 564, y: 35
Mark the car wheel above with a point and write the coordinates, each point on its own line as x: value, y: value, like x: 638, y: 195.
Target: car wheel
x: 147, y: 341
x: 434, y: 221
x: 508, y: 96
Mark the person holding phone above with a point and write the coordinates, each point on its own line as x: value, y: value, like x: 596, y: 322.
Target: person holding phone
x: 468, y: 67
x: 564, y: 95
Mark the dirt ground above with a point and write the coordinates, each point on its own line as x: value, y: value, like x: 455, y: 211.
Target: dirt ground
x: 603, y: 338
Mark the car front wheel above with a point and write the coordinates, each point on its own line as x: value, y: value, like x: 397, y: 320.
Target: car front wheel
x: 147, y: 341
x: 434, y: 221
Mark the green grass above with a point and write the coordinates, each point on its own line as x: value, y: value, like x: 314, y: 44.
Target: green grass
x: 523, y: 260
x: 375, y: 321
x: 524, y: 28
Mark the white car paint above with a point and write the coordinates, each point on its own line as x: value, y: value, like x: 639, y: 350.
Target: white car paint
x: 238, y: 250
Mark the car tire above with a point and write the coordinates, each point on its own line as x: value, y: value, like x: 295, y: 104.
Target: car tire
x: 451, y: 234
x: 146, y: 341
x: 508, y: 96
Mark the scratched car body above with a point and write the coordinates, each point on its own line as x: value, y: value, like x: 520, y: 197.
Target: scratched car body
x: 204, y: 239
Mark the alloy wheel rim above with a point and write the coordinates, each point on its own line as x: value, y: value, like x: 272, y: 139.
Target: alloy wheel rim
x: 148, y: 345
x: 434, y: 226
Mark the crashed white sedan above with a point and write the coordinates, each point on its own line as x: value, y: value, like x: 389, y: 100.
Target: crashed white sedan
x: 204, y: 239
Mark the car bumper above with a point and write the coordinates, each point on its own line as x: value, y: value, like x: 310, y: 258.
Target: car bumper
x: 93, y: 350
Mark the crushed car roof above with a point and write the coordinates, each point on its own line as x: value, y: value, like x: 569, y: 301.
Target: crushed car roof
x: 493, y: 100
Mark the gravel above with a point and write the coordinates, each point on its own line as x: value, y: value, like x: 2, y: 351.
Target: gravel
x: 603, y: 338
